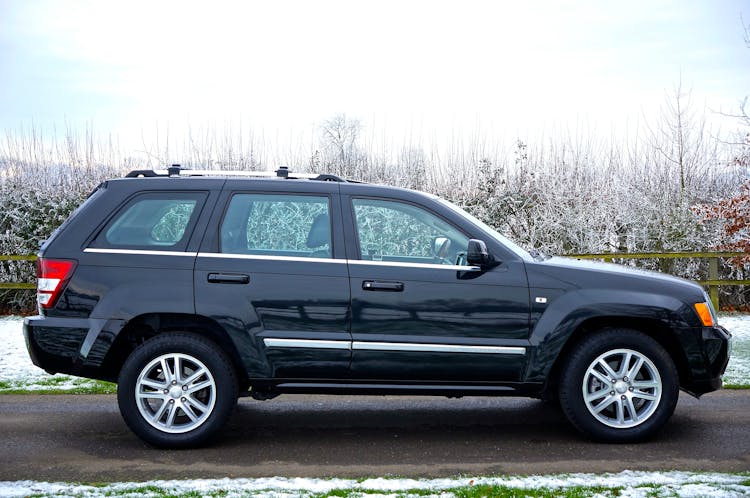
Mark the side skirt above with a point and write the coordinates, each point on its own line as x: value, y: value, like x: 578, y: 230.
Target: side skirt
x: 268, y: 388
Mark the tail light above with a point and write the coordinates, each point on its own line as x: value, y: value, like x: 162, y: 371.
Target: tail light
x: 52, y: 275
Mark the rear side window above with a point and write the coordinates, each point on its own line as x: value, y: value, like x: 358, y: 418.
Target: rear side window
x: 157, y: 220
x: 277, y: 225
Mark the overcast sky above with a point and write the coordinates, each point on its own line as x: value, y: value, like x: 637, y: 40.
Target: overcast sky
x: 509, y: 67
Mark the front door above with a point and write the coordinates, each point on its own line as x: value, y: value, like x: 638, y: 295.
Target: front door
x: 419, y: 312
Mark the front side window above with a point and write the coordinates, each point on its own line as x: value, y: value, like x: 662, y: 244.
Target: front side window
x: 398, y: 231
x: 277, y: 225
x: 153, y: 220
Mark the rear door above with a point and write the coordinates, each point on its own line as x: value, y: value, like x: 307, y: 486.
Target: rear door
x: 272, y: 271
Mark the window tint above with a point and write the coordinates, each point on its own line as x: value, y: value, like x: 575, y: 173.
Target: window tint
x: 396, y: 231
x: 154, y: 221
x: 277, y: 224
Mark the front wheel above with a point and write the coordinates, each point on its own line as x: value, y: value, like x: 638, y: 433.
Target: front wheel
x: 619, y: 385
x: 177, y: 390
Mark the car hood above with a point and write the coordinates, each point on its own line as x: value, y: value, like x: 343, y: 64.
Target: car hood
x: 592, y: 274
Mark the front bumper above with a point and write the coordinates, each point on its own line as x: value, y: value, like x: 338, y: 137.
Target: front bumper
x: 716, y: 342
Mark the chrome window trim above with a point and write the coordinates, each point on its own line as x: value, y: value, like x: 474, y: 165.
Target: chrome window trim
x: 265, y: 257
x: 435, y: 348
x: 139, y: 252
x: 271, y: 342
x: 413, y: 265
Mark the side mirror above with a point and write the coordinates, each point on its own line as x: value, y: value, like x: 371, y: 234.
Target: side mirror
x: 477, y: 254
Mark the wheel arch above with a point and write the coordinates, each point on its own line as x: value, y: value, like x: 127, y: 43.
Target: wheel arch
x: 143, y: 327
x: 651, y: 327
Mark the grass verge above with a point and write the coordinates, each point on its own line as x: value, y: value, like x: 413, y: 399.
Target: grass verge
x: 58, y: 385
x: 626, y: 483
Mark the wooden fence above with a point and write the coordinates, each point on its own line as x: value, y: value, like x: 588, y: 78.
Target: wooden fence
x: 713, y: 283
x: 17, y: 285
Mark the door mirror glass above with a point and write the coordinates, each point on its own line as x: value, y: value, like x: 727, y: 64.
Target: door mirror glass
x: 477, y: 254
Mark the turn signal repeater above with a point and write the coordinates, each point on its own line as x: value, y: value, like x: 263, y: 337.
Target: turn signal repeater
x: 704, y: 312
x: 52, y: 275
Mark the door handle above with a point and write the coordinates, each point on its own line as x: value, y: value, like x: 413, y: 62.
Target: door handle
x: 228, y: 278
x: 380, y: 285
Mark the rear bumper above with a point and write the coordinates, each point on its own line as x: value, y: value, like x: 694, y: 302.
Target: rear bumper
x: 54, y: 344
x: 74, y: 346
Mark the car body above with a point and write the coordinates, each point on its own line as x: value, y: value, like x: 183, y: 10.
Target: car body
x: 244, y: 285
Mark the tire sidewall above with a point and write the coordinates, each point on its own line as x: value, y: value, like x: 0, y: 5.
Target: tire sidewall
x: 200, y: 348
x: 571, y: 384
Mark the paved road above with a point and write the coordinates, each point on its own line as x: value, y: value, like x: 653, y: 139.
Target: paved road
x: 83, y: 438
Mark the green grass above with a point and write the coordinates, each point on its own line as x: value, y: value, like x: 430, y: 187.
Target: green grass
x: 731, y: 484
x: 478, y: 491
x: 54, y: 385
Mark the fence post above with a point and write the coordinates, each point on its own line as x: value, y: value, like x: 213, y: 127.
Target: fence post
x: 713, y: 274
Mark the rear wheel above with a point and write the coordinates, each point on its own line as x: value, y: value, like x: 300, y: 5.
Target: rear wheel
x: 177, y: 390
x: 619, y: 385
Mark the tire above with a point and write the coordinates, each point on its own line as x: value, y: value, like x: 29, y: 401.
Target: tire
x: 640, y: 400
x: 187, y: 406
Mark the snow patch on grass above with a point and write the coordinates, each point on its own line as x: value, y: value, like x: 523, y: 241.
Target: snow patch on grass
x: 623, y: 484
x: 738, y: 370
x: 18, y: 373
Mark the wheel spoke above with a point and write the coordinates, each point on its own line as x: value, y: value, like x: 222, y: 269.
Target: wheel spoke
x: 171, y: 415
x: 153, y: 384
x: 160, y: 412
x: 150, y: 395
x: 647, y: 396
x: 631, y: 408
x: 198, y: 387
x: 607, y: 369
x: 636, y: 368
x: 189, y: 411
x: 165, y: 369
x: 177, y: 368
x: 600, y: 376
x: 620, y: 411
x: 598, y: 394
x: 203, y: 408
x: 194, y: 376
x: 604, y: 404
x: 625, y: 365
x: 644, y: 384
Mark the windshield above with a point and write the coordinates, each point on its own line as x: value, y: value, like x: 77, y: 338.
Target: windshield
x: 506, y: 242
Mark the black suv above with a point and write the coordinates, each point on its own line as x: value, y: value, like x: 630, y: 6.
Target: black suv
x: 192, y: 288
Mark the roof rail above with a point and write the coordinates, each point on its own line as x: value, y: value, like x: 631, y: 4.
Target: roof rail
x: 283, y: 172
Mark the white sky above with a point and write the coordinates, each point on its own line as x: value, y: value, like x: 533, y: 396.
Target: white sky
x: 428, y: 68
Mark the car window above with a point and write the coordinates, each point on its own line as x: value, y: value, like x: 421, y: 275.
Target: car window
x: 153, y: 220
x: 398, y: 231
x: 277, y: 224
